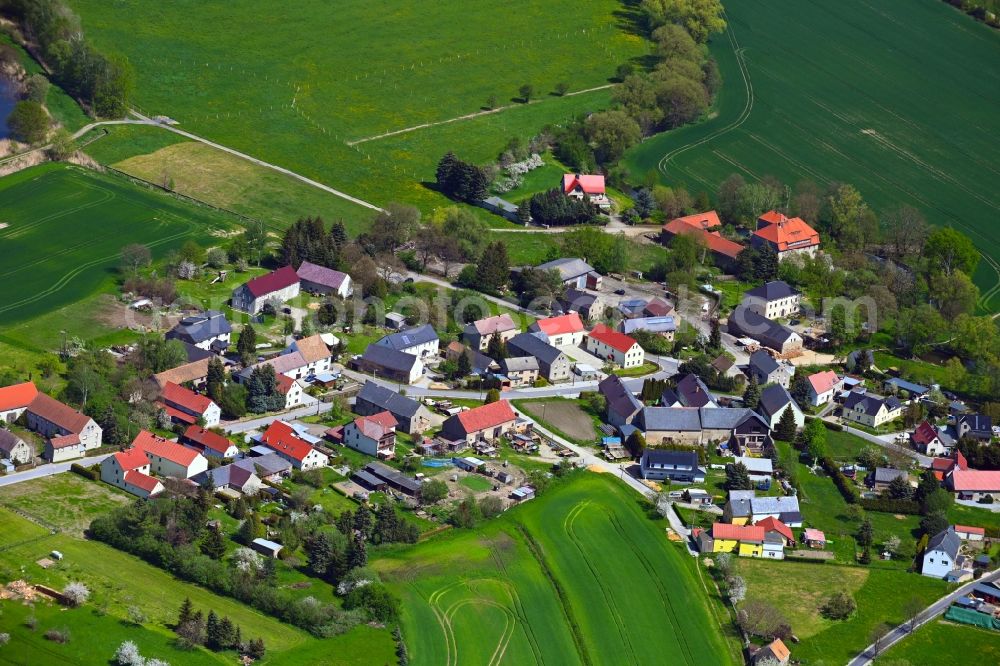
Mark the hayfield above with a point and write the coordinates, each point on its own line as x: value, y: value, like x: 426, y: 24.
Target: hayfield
x: 306, y: 86
x: 580, y: 575
x: 65, y: 230
x: 855, y: 92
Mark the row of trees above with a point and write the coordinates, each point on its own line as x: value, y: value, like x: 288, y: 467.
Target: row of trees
x: 214, y: 632
x: 104, y: 83
x: 461, y: 180
x: 554, y: 208
x: 309, y: 240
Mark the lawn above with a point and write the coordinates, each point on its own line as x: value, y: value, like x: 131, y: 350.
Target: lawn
x: 575, y: 576
x: 798, y: 589
x: 229, y: 77
x: 93, y: 216
x: 477, y: 484
x: 70, y: 501
x: 856, y: 111
x: 563, y: 416
x: 936, y: 643
x: 118, y: 580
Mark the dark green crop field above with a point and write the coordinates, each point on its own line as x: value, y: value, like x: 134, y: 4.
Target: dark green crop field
x: 579, y: 575
x: 64, y: 228
x: 313, y: 86
x: 899, y: 99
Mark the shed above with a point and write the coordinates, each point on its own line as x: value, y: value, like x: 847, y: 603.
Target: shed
x: 265, y: 547
x: 523, y: 493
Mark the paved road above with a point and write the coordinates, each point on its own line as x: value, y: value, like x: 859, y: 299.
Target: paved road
x: 886, y: 442
x: 928, y: 614
x: 234, y: 427
x: 48, y: 470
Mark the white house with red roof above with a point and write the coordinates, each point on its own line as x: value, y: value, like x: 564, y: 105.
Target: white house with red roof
x: 14, y: 400
x: 208, y: 443
x: 278, y: 286
x: 186, y: 407
x: 589, y: 186
x: 281, y: 438
x: 615, y: 347
x: 314, y: 352
x: 373, y: 435
x: 488, y: 422
x: 567, y: 329
x: 291, y: 389
x: 70, y: 433
x: 927, y: 439
x: 823, y: 386
x: 787, y: 235
x: 969, y: 533
x: 129, y: 470
x: 972, y: 484
x: 168, y: 458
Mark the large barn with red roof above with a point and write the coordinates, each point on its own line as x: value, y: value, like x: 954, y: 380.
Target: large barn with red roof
x: 704, y: 227
x: 279, y: 286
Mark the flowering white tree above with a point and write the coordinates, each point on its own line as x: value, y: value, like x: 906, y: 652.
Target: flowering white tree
x: 77, y: 593
x: 247, y: 560
x: 128, y: 655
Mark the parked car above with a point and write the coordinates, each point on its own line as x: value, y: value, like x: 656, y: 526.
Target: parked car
x: 620, y: 292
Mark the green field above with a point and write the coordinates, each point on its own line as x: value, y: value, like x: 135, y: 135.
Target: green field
x: 581, y: 575
x: 935, y: 643
x: 877, y: 106
x: 66, y: 227
x: 295, y: 89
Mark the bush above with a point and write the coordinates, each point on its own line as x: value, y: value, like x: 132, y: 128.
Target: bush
x: 886, y: 505
x: 85, y: 472
x: 844, y: 485
x: 380, y: 604
x: 76, y: 593
x: 839, y: 607
x: 127, y: 654
x: 57, y: 635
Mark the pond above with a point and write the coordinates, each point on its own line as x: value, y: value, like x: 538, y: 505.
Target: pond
x: 8, y: 98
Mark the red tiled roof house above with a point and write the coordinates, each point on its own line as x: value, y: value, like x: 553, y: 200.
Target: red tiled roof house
x: 279, y: 286
x: 69, y: 433
x: 567, y: 329
x: 617, y: 348
x: 373, y: 435
x: 787, y: 235
x: 14, y: 400
x: 823, y: 387
x: 208, y: 443
x: 283, y: 440
x: 187, y: 407
x: 487, y: 422
x: 590, y: 186
x: 168, y: 458
x: 724, y: 251
x: 129, y: 470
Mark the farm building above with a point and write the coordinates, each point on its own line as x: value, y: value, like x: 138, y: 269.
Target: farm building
x: 387, y: 476
x: 501, y: 207
x: 186, y: 407
x: 664, y: 326
x: 276, y: 287
x: 622, y: 405
x: 895, y: 384
x: 786, y: 235
x: 744, y: 322
x: 411, y: 416
x: 477, y: 334
x: 774, y: 300
x: 390, y: 364
x: 574, y: 272
x: 266, y: 548
x: 195, y: 373
x: 972, y: 484
x: 724, y: 251
x: 586, y: 186
x: 208, y: 443
x: 617, y: 348
x: 322, y: 280
x: 566, y: 329
x: 69, y: 433
x: 14, y: 400
x: 208, y: 330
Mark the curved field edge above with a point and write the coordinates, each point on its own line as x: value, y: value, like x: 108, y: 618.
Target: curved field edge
x: 591, y: 578
x: 857, y: 111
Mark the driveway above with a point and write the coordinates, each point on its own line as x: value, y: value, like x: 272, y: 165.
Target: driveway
x: 48, y: 470
x: 581, y: 355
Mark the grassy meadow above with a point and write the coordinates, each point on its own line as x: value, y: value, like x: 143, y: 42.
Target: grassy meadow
x: 317, y: 111
x: 935, y: 643
x: 581, y: 575
x: 877, y: 106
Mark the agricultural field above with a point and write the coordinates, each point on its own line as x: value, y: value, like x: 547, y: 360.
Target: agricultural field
x: 323, y: 112
x: 93, y: 216
x: 71, y: 502
x: 935, y: 643
x: 874, y: 107
x: 564, y: 417
x: 118, y: 580
x: 798, y: 589
x: 576, y: 576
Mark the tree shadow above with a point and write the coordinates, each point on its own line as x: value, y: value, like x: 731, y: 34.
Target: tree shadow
x: 630, y: 19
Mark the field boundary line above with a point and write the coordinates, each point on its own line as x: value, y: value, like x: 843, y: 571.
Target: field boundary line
x: 477, y: 114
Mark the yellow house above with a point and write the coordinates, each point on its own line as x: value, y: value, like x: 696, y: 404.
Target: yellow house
x: 744, y: 540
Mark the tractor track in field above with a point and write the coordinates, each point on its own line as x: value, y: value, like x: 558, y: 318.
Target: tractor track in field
x: 515, y: 600
x: 445, y: 616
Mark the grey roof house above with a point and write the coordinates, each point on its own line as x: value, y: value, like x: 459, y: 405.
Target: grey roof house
x: 553, y: 364
x: 774, y: 399
x: 767, y: 371
x: 411, y: 416
x: 677, y: 466
x: 209, y: 330
x: 622, y: 406
x: 744, y: 322
x: 421, y: 341
x: 692, y: 392
x: 573, y: 272
x: 388, y: 363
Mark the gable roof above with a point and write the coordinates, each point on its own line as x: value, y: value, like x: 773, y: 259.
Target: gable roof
x: 376, y: 426
x: 612, y: 338
x: 664, y: 324
x: 774, y: 398
x: 692, y: 391
x: 411, y: 337
x: 265, y: 465
x: 967, y: 529
x: 658, y: 307
x: 388, y: 400
x: 732, y: 532
x: 271, y: 282
x: 568, y: 267
x: 387, y: 357
x: 519, y: 364
x: 490, y: 325
x: 772, y: 291
x: 619, y: 399
x: 786, y: 233
x: 132, y: 458
x: 778, y: 648
x: 722, y: 363
x: 706, y: 221
x: 946, y: 541
x: 682, y: 459
x: 526, y: 344
x: 588, y: 183
x: 772, y: 524
x: 821, y: 382
x: 158, y: 446
x: 713, y: 241
x: 786, y: 504
x: 282, y: 438
x: 320, y: 275
x: 763, y: 362
x: 8, y: 441
x: 186, y: 398
x: 17, y: 396
x: 887, y: 474
x: 188, y: 372
x: 567, y: 323
x: 755, y: 465
x: 924, y: 434
x: 744, y: 321
x: 977, y: 422
x: 681, y: 419
x: 869, y: 403
x: 313, y: 349
x: 975, y: 480
x: 910, y: 387
x: 208, y: 439
x: 59, y: 413
x: 486, y: 416
x: 140, y: 480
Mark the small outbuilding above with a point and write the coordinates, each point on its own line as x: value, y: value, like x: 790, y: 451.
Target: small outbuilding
x: 266, y: 547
